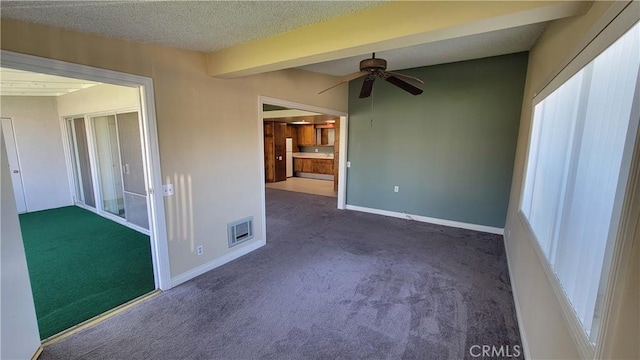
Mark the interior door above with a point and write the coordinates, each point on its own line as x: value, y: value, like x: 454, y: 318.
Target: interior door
x: 280, y: 150
x: 14, y: 164
x: 135, y: 190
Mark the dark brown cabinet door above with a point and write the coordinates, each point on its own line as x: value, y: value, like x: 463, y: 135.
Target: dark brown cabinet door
x: 269, y: 154
x: 280, y: 150
x: 306, y: 135
x: 275, y: 151
x: 322, y: 166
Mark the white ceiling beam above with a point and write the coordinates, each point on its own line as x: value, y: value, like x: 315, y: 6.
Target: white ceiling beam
x: 24, y: 83
x: 390, y: 26
x: 30, y: 93
x: 42, y: 85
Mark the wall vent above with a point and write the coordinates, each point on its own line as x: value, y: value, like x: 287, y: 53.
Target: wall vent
x: 240, y: 231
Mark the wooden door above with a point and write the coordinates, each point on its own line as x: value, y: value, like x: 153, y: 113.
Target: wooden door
x: 269, y: 153
x: 275, y: 151
x: 280, y: 151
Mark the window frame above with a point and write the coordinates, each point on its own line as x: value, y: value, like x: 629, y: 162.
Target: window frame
x: 616, y: 22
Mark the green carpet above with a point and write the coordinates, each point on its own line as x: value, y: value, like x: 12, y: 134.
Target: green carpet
x: 82, y: 265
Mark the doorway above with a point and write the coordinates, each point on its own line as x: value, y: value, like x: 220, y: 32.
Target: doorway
x: 130, y: 194
x: 301, y: 150
x: 314, y: 140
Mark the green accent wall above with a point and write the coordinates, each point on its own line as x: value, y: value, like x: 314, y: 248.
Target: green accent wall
x: 450, y: 150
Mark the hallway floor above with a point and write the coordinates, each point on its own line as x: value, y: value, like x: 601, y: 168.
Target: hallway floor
x: 305, y: 185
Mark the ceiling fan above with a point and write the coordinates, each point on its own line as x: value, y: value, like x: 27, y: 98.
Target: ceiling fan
x: 372, y: 68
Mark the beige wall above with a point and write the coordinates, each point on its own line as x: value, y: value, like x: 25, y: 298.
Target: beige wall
x: 39, y: 141
x: 208, y: 129
x: 546, y: 332
x: 624, y: 340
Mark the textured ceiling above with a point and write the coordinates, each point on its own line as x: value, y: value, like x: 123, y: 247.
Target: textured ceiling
x: 493, y: 43
x: 194, y: 25
x: 213, y: 25
x: 24, y: 83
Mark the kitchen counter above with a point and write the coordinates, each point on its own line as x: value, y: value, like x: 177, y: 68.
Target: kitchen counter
x: 306, y: 155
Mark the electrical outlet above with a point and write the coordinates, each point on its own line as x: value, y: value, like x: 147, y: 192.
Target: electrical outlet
x: 348, y: 164
x: 396, y: 188
x: 316, y: 150
x: 200, y: 250
x: 167, y: 189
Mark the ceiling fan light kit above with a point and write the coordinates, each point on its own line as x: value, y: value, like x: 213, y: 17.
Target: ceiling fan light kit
x: 374, y: 68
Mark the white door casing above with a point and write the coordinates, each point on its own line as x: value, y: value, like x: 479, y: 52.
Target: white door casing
x: 159, y: 244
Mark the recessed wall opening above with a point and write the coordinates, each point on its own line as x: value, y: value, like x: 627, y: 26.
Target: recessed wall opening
x: 306, y: 128
x: 301, y: 152
x: 82, y: 166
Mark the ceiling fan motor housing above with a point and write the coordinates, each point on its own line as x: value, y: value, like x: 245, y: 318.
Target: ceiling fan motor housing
x: 373, y: 64
x: 374, y: 68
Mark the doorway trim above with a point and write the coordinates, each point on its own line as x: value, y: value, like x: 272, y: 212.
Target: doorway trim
x: 157, y: 226
x: 342, y: 157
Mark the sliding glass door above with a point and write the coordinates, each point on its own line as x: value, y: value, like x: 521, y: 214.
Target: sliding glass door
x: 109, y: 169
x: 116, y: 164
x: 80, y: 161
x: 135, y: 191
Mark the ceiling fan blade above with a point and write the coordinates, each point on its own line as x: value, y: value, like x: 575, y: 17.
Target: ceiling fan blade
x: 367, y: 86
x: 406, y: 77
x: 346, y: 79
x: 403, y: 85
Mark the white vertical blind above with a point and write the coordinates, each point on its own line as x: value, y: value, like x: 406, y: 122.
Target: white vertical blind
x: 575, y: 158
x: 553, y: 137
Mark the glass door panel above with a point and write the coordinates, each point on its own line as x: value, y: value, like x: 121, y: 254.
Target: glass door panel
x: 80, y: 162
x: 109, y: 169
x: 135, y: 191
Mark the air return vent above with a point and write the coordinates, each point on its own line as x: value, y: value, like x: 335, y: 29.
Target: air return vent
x: 240, y: 231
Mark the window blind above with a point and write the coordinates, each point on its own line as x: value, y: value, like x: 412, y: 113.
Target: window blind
x: 580, y: 133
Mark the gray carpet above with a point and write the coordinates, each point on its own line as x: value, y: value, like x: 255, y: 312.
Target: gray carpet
x: 329, y: 284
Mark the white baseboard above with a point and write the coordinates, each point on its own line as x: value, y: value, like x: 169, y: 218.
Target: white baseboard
x: 430, y: 220
x: 523, y: 335
x: 184, y: 277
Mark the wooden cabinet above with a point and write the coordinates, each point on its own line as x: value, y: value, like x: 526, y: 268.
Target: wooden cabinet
x: 325, y: 133
x: 275, y: 147
x: 306, y: 135
x: 303, y: 165
x: 315, y: 166
x: 323, y: 166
